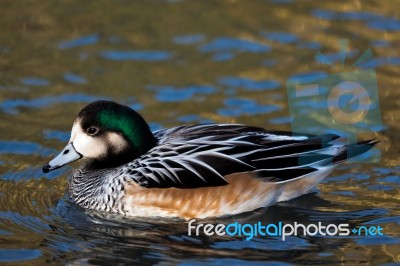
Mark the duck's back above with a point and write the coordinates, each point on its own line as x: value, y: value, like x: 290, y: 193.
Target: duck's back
x: 221, y: 169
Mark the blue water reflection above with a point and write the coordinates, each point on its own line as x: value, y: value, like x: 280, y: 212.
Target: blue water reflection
x: 382, y: 170
x: 62, y: 136
x: 24, y: 148
x: 150, y: 56
x: 380, y: 61
x: 380, y: 43
x: 385, y: 24
x: 390, y: 179
x: 14, y: 255
x: 241, y: 106
x: 280, y: 37
x: 337, y: 57
x: 74, y: 78
x: 154, y: 126
x: 11, y: 106
x: 308, y: 78
x: 34, y: 173
x: 280, y: 120
x: 81, y: 41
x: 271, y: 243
x: 352, y: 15
x: 192, y: 118
x: 229, y: 44
x: 371, y: 20
x: 344, y: 193
x: 248, y: 84
x: 35, y: 81
x: 172, y: 94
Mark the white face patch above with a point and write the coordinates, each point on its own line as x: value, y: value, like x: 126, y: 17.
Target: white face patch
x: 95, y: 147
x: 116, y: 141
x: 89, y: 147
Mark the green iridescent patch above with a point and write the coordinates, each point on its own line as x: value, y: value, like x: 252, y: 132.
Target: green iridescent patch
x: 125, y: 123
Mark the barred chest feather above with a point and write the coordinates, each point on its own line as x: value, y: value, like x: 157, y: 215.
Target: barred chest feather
x: 101, y: 190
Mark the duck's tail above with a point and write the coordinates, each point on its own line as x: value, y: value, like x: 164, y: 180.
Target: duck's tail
x: 354, y: 150
x: 302, y: 184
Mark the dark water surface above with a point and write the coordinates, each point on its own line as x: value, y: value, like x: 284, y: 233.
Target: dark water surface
x: 182, y: 62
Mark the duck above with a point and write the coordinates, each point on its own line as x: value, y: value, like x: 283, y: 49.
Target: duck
x: 190, y: 171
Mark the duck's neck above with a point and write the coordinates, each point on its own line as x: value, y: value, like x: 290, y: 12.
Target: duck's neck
x: 100, y: 189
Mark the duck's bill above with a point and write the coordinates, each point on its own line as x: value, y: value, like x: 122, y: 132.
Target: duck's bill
x: 67, y: 155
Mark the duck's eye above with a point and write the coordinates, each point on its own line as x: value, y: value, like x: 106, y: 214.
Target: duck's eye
x: 92, y: 131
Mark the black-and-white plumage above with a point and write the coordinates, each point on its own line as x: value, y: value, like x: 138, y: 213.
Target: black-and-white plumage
x: 191, y: 171
x: 201, y: 155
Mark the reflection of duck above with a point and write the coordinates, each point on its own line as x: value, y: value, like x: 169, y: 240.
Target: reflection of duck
x: 190, y: 171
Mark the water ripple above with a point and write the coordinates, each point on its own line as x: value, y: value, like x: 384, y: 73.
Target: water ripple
x: 13, y: 255
x: 62, y: 136
x: 378, y: 240
x: 336, y: 57
x: 172, y: 94
x: 150, y: 56
x: 223, y: 56
x: 308, y: 77
x: 34, y: 81
x: 385, y: 24
x: 380, y: 61
x: 280, y: 120
x: 225, y: 44
x: 264, y: 244
x: 11, y: 106
x: 380, y: 43
x: 35, y: 173
x: 312, y: 45
x: 240, y: 106
x: 24, y: 148
x: 351, y: 15
x: 81, y: 41
x: 74, y: 78
x: 280, y: 37
x: 192, y: 118
x: 188, y: 39
x: 390, y: 179
x: 282, y: 2
x: 249, y: 84
x: 371, y: 20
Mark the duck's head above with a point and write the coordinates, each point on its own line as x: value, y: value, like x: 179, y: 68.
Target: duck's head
x: 108, y: 134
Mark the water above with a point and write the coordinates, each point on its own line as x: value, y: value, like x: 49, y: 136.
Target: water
x: 186, y: 62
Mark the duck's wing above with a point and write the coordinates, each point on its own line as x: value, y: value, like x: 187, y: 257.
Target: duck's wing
x: 202, y: 155
x: 223, y: 131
